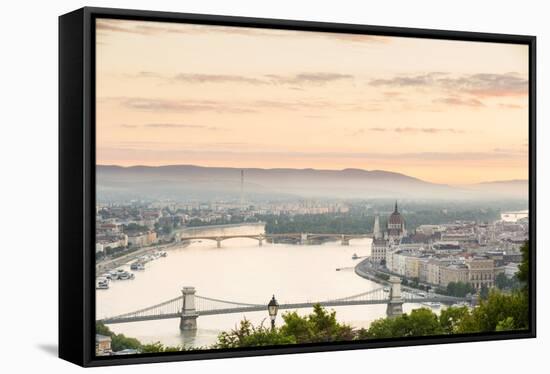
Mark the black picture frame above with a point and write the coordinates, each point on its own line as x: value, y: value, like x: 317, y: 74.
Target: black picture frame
x: 77, y: 182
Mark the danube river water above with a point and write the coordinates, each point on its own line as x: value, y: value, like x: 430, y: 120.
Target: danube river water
x: 240, y: 271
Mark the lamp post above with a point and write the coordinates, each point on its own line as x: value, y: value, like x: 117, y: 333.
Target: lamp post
x: 272, y: 309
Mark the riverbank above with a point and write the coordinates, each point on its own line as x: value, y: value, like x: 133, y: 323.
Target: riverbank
x: 364, y: 270
x: 108, y: 265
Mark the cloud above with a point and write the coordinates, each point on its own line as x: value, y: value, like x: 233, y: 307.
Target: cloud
x: 316, y: 78
x: 305, y: 78
x: 105, y: 26
x: 479, y: 85
x: 170, y: 126
x: 510, y: 106
x: 486, y: 85
x: 408, y: 81
x: 357, y: 38
x: 163, y: 105
x: 520, y: 150
x: 215, y: 78
x: 178, y: 126
x: 147, y: 74
x: 392, y: 94
x: 234, y: 107
x: 425, y: 130
x: 457, y: 101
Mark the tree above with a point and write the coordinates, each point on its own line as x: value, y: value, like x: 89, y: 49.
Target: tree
x: 247, y: 335
x: 502, y: 282
x: 450, y: 318
x: 458, y: 289
x: 320, y: 326
x: 506, y: 324
x: 484, y: 292
x: 420, y: 322
x: 523, y: 269
x: 120, y: 342
x: 159, y: 347
x: 510, y: 311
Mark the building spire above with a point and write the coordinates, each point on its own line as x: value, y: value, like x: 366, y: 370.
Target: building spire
x: 395, y: 211
x: 376, y: 231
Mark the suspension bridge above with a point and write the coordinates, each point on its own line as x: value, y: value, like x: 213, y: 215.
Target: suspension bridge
x: 189, y: 306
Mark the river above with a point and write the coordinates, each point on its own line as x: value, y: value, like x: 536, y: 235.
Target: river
x: 244, y: 272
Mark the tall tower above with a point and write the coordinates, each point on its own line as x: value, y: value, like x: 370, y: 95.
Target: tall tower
x: 376, y: 231
x: 242, y: 190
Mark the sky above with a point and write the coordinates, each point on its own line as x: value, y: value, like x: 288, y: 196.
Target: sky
x: 448, y: 112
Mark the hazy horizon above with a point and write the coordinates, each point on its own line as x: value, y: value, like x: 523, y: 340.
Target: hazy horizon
x: 448, y: 112
x: 297, y: 169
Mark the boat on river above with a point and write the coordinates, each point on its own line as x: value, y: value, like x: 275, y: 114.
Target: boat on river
x: 102, y: 284
x: 137, y: 266
x: 432, y: 304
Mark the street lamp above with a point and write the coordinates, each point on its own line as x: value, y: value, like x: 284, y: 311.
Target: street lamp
x: 272, y: 309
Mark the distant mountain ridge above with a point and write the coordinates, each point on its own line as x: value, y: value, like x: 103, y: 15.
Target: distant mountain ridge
x: 199, y: 182
x: 511, y: 181
x: 515, y: 187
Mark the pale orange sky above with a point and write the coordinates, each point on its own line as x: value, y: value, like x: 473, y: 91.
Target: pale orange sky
x: 443, y: 111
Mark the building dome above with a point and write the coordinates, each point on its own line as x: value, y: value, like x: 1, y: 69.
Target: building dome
x: 396, y: 218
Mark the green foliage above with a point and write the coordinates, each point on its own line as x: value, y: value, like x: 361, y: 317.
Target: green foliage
x: 164, y: 229
x: 451, y: 318
x: 120, y: 342
x: 499, y: 312
x: 248, y: 335
x: 502, y: 282
x: 159, y: 347
x: 497, y: 308
x: 506, y: 324
x: 523, y: 271
x: 459, y: 289
x: 320, y: 326
x: 420, y: 322
x: 359, y: 221
x: 101, y: 329
x: 483, y: 292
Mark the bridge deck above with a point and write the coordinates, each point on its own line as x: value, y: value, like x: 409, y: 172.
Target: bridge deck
x: 259, y: 308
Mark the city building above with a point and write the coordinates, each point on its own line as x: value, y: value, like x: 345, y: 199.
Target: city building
x: 383, y: 242
x: 514, y: 216
x: 396, y: 227
x: 102, y: 345
x: 142, y: 239
x: 453, y: 273
x: 481, y: 272
x: 379, y: 244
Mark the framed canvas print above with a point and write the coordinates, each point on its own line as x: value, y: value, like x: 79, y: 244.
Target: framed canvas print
x: 237, y: 186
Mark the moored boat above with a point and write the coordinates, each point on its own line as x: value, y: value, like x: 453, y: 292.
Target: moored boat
x: 102, y: 284
x: 137, y: 266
